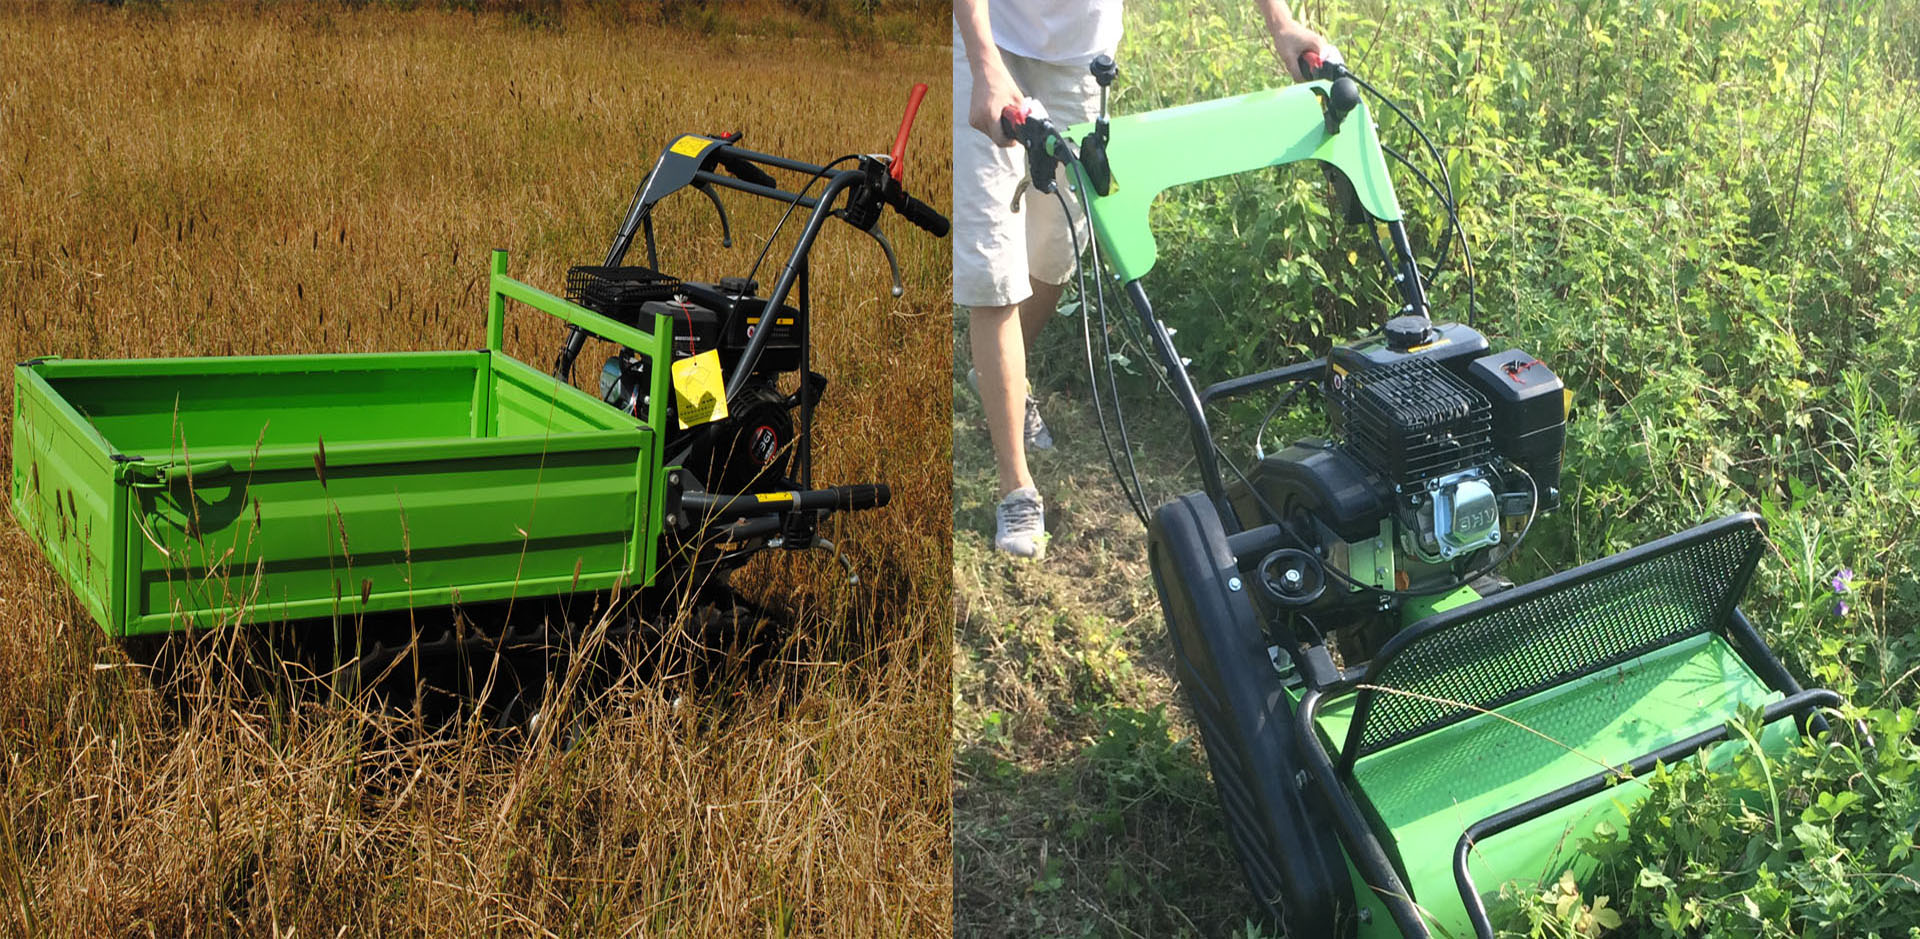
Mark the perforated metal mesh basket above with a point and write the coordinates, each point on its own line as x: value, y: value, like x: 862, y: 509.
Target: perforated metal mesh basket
x: 1496, y: 651
x: 617, y: 292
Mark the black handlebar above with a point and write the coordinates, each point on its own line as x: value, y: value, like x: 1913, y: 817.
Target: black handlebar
x: 1341, y: 97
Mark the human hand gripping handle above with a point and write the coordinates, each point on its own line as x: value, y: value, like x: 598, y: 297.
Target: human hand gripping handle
x: 1342, y: 95
x: 1025, y: 123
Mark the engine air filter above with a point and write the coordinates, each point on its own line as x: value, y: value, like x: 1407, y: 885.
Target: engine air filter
x: 1413, y: 420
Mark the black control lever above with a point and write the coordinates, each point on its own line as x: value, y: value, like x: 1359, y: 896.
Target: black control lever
x: 1026, y: 123
x: 1093, y: 150
x: 1339, y: 98
x: 742, y: 169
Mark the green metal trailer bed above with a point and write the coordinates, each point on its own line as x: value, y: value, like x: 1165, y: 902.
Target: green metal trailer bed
x: 207, y: 491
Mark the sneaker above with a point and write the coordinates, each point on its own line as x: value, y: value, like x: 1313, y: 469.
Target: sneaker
x: 1033, y: 430
x: 1021, y: 518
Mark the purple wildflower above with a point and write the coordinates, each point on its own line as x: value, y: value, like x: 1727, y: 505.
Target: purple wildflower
x: 1843, y: 580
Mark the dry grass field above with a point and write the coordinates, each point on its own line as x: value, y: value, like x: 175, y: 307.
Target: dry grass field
x: 212, y: 180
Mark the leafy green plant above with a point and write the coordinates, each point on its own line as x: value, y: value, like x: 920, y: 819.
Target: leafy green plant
x: 1818, y: 841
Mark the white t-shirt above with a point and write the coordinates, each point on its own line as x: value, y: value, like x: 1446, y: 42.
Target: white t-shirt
x: 1058, y: 31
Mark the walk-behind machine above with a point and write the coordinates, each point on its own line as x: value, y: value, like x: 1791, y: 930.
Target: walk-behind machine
x: 381, y: 489
x: 1395, y: 730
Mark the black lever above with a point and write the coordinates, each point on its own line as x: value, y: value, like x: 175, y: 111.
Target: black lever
x: 1339, y: 98
x: 1093, y: 150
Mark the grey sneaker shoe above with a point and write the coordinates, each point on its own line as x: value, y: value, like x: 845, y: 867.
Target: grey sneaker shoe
x: 1033, y: 430
x: 1021, y: 519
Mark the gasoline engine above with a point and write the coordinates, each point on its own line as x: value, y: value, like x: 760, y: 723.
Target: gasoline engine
x: 750, y: 449
x: 1441, y: 453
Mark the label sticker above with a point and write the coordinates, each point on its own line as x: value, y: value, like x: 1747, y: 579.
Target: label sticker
x: 773, y: 497
x: 690, y: 145
x: 699, y: 389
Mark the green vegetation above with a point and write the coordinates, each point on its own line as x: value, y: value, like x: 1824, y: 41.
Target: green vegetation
x: 1703, y: 217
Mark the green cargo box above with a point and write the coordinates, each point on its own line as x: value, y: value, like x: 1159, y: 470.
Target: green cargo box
x: 177, y: 493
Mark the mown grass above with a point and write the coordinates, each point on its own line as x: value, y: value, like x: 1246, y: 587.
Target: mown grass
x: 217, y: 180
x: 1701, y: 218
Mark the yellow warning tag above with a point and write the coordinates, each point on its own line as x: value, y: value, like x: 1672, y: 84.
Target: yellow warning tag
x: 690, y: 145
x: 699, y: 389
x: 773, y: 497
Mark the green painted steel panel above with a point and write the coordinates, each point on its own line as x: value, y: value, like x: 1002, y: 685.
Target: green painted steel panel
x: 64, y: 494
x: 1156, y: 150
x: 194, y: 492
x: 1419, y: 608
x: 1425, y: 792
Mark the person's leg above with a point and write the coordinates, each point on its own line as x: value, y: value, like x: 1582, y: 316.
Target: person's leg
x: 1071, y: 97
x: 990, y: 280
x: 1037, y: 310
x: 1000, y: 362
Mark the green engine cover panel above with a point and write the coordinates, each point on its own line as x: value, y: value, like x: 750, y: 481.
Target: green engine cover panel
x: 1426, y: 791
x: 1153, y: 151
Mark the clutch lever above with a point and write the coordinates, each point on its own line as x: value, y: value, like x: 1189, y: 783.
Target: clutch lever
x: 726, y: 229
x: 886, y: 247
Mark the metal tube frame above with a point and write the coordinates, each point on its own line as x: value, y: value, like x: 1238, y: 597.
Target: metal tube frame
x: 1793, y: 705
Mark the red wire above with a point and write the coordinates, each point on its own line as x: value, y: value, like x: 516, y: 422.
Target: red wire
x: 687, y: 308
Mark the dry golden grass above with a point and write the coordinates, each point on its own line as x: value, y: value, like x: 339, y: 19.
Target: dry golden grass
x: 215, y: 180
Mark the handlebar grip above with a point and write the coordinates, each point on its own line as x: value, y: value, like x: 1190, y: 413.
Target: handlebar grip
x: 856, y: 497
x: 1314, y: 66
x: 925, y: 217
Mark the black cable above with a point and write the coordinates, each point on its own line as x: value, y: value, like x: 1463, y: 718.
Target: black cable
x: 817, y: 176
x: 1106, y: 348
x: 1446, y: 177
x: 1259, y: 449
x: 1432, y: 151
x: 1440, y: 263
x: 1136, y: 497
x: 1453, y: 221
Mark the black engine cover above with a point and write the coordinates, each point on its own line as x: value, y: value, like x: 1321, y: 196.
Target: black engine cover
x: 750, y: 450
x: 1313, y: 478
x: 706, y: 316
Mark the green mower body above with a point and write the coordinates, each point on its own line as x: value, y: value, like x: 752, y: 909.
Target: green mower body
x: 1390, y: 747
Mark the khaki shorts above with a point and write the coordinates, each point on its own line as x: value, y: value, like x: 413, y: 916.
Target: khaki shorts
x: 996, y: 249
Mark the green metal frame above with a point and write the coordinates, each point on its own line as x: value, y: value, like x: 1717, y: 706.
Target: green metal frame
x: 1156, y: 150
x: 324, y: 485
x: 656, y: 345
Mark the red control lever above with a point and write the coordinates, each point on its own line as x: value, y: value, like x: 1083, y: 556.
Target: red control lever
x: 899, y: 152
